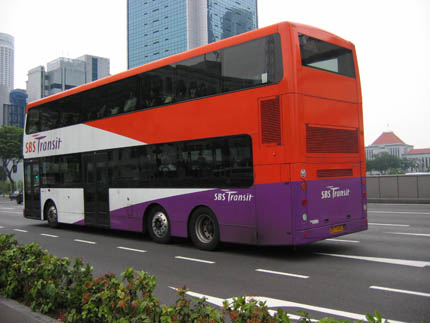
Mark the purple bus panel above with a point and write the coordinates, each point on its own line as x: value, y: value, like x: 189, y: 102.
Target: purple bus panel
x: 267, y: 214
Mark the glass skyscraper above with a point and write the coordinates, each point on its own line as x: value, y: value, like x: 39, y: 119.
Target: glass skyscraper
x: 160, y: 28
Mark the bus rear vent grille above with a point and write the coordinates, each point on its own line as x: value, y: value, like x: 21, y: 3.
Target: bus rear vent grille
x: 334, y: 172
x: 271, y: 121
x: 330, y: 140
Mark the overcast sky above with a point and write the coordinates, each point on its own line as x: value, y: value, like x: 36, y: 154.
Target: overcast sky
x: 392, y: 39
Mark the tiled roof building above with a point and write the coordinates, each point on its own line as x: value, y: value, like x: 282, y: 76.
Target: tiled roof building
x: 390, y: 143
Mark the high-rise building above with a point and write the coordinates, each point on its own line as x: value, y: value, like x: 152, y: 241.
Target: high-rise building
x: 6, y: 70
x: 156, y: 29
x: 6, y: 60
x: 65, y: 73
x: 14, y: 113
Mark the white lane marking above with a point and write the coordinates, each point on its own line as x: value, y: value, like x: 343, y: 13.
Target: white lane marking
x: 48, y: 235
x: 273, y: 302
x: 1, y: 227
x: 19, y: 230
x: 411, y: 234
x: 390, y: 225
x: 281, y: 273
x: 210, y: 299
x: 341, y: 240
x: 400, y: 291
x: 388, y: 212
x: 7, y: 208
x: 411, y: 263
x: 196, y: 260
x: 131, y: 249
x: 85, y: 241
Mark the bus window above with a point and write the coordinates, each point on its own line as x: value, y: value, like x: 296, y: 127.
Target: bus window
x: 325, y: 56
x: 33, y: 122
x: 94, y: 105
x: 49, y: 116
x: 70, y: 111
x: 253, y: 63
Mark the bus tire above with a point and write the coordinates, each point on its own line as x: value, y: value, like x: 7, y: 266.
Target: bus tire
x: 51, y: 214
x: 158, y: 225
x: 204, y: 229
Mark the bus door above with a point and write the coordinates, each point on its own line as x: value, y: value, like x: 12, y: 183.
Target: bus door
x: 32, y: 189
x: 96, y: 191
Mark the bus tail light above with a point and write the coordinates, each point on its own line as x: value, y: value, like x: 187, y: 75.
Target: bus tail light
x: 303, y: 186
x: 304, y: 202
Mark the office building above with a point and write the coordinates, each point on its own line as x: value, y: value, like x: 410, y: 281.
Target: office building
x: 6, y: 70
x: 65, y: 73
x: 6, y: 60
x: 14, y: 113
x: 157, y: 29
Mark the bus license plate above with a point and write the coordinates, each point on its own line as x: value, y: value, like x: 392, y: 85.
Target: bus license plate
x: 337, y: 228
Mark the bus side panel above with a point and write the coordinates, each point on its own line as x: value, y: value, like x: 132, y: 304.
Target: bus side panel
x: 234, y: 209
x: 274, y: 214
x: 68, y: 201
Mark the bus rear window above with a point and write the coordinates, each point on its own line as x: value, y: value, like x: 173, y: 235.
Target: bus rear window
x: 325, y: 56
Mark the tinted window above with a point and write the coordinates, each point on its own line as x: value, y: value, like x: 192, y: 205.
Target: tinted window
x: 49, y: 116
x: 216, y: 162
x: 254, y: 63
x: 321, y: 55
x: 61, y: 170
x: 70, y: 110
x: 33, y: 121
x: 94, y: 104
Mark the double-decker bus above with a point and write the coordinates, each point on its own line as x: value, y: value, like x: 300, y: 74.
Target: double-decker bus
x: 255, y: 139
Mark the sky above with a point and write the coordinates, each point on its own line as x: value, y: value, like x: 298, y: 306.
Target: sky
x: 392, y: 40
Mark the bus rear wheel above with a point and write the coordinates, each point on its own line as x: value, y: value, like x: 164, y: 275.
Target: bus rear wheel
x: 51, y: 214
x: 158, y: 225
x: 204, y: 229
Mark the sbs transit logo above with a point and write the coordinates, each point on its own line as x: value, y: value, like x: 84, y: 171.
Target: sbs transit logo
x: 40, y: 144
x: 232, y: 196
x: 332, y: 192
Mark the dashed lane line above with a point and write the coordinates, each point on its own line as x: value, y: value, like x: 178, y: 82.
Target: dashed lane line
x: 411, y: 263
x: 390, y: 224
x: 281, y: 273
x: 131, y: 249
x: 20, y: 230
x: 195, y: 260
x: 343, y: 240
x: 411, y: 234
x: 402, y: 291
x: 84, y: 241
x: 49, y: 235
x: 389, y: 212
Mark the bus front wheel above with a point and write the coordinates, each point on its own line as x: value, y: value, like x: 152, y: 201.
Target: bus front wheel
x: 51, y: 215
x: 158, y: 225
x: 204, y: 229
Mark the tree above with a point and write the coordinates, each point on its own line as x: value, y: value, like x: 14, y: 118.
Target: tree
x: 384, y: 162
x: 10, y: 150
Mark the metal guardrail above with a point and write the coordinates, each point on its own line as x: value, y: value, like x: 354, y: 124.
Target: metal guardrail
x: 398, y: 189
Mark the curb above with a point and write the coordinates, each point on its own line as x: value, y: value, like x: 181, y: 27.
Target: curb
x: 13, y: 312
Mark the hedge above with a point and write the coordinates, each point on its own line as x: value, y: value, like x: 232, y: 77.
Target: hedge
x: 69, y: 292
